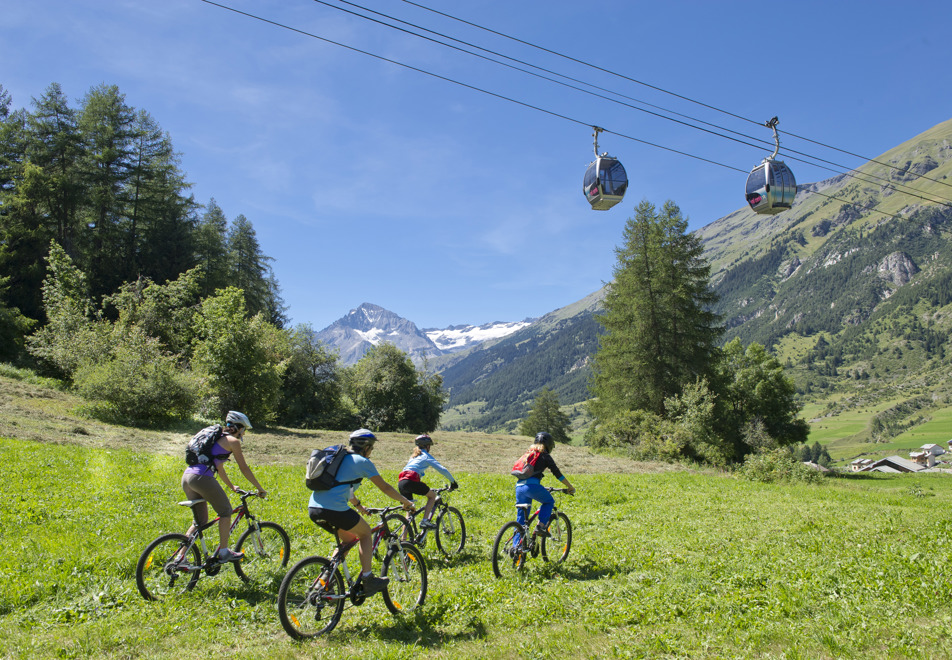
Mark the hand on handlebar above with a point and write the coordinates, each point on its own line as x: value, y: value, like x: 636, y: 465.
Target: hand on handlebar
x: 409, y: 506
x: 454, y: 485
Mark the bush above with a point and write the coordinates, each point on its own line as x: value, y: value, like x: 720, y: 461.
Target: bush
x: 776, y: 465
x: 137, y: 384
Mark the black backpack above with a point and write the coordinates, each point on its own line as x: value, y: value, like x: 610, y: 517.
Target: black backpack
x: 199, y: 448
x: 322, y: 468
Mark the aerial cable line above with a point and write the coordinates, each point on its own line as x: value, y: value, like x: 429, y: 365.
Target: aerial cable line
x: 506, y: 98
x: 467, y: 85
x: 843, y: 169
x: 664, y: 91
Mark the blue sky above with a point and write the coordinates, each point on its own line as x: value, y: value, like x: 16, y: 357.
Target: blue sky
x: 367, y: 181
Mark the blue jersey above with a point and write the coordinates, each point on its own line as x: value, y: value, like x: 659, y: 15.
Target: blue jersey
x: 354, y: 466
x: 420, y: 463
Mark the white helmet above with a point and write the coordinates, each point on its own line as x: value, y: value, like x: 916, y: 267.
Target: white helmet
x: 236, y: 418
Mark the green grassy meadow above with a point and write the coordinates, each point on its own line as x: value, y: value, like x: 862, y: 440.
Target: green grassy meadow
x: 664, y: 564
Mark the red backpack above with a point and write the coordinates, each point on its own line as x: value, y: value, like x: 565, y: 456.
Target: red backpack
x: 525, y: 466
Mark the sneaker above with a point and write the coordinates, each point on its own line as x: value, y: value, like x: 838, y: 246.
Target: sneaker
x: 542, y: 531
x: 372, y: 584
x: 227, y: 554
x: 427, y: 524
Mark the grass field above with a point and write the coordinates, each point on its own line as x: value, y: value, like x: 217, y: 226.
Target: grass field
x: 665, y: 563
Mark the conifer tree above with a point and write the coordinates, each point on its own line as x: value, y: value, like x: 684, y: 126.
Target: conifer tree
x: 660, y: 331
x: 546, y: 415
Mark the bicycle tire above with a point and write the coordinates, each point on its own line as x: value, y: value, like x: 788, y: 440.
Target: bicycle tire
x: 406, y: 569
x: 556, y: 547
x: 397, y: 524
x: 450, y: 532
x: 158, y: 569
x: 267, y: 550
x: 509, y: 558
x: 307, y: 593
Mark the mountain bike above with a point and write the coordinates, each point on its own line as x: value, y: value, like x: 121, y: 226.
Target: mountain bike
x: 450, y: 531
x: 516, y: 543
x: 315, y: 592
x: 173, y: 563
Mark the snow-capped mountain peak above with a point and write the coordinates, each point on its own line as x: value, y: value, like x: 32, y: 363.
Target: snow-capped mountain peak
x: 371, y: 325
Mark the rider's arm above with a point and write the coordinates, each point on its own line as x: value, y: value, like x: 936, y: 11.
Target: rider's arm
x: 391, y: 492
x: 359, y: 506
x: 235, y: 446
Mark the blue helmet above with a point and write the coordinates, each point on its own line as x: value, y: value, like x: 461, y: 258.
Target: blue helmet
x: 361, y: 439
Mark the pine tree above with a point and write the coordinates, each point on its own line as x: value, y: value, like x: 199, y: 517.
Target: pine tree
x: 660, y: 332
x: 546, y: 415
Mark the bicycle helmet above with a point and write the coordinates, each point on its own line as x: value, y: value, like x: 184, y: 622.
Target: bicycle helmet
x: 236, y: 418
x: 546, y: 440
x: 424, y: 441
x: 361, y: 439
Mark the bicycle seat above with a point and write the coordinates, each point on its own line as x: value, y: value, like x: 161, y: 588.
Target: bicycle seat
x: 523, y: 506
x: 191, y: 503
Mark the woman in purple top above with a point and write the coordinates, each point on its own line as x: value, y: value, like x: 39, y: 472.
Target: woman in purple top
x: 199, y: 482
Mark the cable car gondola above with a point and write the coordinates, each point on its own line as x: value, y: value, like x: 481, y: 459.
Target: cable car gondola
x: 605, y: 180
x: 770, y: 185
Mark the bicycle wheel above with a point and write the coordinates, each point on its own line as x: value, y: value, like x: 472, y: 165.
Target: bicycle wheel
x: 311, y: 598
x: 450, y: 532
x: 168, y: 566
x: 267, y: 550
x: 407, y: 572
x: 509, y: 557
x: 556, y: 547
x: 399, y: 525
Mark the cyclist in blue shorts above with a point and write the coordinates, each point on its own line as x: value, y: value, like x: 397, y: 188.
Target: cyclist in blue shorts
x: 531, y: 489
x: 328, y: 508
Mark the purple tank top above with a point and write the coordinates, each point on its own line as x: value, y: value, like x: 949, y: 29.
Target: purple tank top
x: 205, y: 470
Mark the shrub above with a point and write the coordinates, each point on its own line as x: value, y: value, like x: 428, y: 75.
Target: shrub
x: 776, y: 465
x: 137, y: 383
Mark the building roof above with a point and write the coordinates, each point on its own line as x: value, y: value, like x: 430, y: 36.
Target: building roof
x: 893, y: 464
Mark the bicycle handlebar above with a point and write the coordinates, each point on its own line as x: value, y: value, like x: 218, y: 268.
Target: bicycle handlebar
x: 552, y: 489
x: 245, y: 494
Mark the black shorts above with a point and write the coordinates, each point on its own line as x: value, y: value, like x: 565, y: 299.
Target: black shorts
x: 408, y: 488
x: 331, y: 520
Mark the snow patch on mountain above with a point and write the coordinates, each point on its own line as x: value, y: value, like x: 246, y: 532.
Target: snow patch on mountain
x: 457, y: 337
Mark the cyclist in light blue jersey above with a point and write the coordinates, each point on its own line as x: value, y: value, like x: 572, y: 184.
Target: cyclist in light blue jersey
x: 329, y: 508
x: 410, y: 481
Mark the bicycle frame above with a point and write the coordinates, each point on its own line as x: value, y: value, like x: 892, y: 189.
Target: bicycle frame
x: 440, y: 505
x: 239, y: 512
x: 338, y: 558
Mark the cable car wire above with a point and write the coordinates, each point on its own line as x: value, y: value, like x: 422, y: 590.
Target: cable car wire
x: 844, y: 169
x: 467, y: 85
x: 510, y: 99
x: 662, y: 90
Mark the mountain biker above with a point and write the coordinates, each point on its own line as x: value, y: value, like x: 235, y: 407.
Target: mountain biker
x: 329, y: 511
x: 198, y: 481
x: 531, y: 488
x: 411, y: 479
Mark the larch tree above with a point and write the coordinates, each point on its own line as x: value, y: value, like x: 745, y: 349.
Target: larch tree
x: 660, y: 331
x: 546, y: 415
